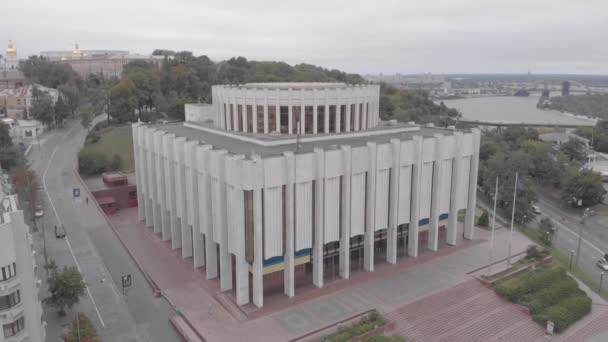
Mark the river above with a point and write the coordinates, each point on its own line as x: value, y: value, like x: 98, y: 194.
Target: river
x: 512, y: 109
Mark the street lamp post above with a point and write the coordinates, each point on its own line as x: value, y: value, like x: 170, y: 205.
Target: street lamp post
x: 492, y: 234
x: 512, y: 220
x: 571, y: 257
x: 601, y: 281
x: 580, y: 235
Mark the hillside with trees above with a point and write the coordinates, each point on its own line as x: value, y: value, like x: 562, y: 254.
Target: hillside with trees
x: 592, y: 105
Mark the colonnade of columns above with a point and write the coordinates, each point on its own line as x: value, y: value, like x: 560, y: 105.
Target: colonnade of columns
x: 215, y: 205
x: 296, y: 110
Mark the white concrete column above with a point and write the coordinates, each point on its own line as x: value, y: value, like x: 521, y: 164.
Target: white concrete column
x: 158, y: 172
x: 244, y: 110
x: 456, y: 180
x: 198, y: 243
x: 346, y: 208
x: 469, y: 222
x: 258, y: 251
x: 138, y: 170
x: 370, y: 217
x: 254, y: 114
x: 412, y: 247
x: 315, y: 113
x: 225, y: 257
x: 277, y: 112
x: 235, y: 112
x: 178, y: 156
x: 317, y: 248
x: 365, y: 115
x: 238, y: 226
x: 206, y: 209
x: 347, y: 123
x: 393, y: 218
x: 290, y: 113
x: 338, y: 117
x: 357, y: 108
x: 266, y: 122
x: 289, y: 257
x: 302, y: 114
x: 170, y: 188
x: 326, y: 112
x: 435, y: 195
x: 149, y: 177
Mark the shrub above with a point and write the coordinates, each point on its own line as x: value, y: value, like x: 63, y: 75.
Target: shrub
x: 533, y: 253
x: 87, y: 330
x: 92, y: 162
x: 366, y: 324
x: 115, y: 163
x: 551, y: 295
x: 565, y: 312
x: 384, y: 339
x: 515, y: 289
x: 483, y: 220
x: 92, y: 138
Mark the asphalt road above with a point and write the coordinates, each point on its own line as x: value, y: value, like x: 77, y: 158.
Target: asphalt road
x: 594, y: 233
x: 92, y: 246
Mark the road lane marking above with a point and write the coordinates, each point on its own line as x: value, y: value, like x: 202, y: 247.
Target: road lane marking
x: 66, y: 238
x: 575, y: 234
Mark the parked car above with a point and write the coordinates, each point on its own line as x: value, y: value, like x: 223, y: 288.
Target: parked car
x: 536, y: 209
x: 603, y: 264
x: 59, y: 232
x: 38, y: 212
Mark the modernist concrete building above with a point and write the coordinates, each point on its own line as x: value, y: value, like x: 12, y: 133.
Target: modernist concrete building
x: 20, y: 309
x: 280, y: 185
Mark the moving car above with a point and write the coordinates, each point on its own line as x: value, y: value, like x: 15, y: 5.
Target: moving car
x: 59, y: 232
x: 536, y: 209
x: 603, y: 264
x: 38, y: 212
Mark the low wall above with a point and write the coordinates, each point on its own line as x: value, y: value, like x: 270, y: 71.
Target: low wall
x: 120, y: 194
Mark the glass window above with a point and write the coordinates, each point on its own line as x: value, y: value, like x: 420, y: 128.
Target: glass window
x: 14, y: 328
x: 7, y: 302
x: 8, y: 272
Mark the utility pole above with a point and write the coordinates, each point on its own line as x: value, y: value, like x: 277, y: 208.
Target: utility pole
x: 512, y: 221
x: 493, y: 226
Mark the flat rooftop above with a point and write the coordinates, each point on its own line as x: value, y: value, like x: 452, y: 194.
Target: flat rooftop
x: 268, y: 145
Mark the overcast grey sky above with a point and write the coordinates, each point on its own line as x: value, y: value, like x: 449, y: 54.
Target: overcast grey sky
x: 439, y: 36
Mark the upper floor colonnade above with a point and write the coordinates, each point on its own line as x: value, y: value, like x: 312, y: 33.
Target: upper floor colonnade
x: 296, y: 108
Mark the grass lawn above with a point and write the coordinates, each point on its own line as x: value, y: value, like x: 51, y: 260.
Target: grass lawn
x: 116, y: 140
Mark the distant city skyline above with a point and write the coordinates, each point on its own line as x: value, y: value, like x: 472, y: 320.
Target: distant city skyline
x: 463, y: 36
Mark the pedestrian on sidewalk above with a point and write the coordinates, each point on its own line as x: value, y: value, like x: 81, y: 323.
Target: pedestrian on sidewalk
x: 87, y: 199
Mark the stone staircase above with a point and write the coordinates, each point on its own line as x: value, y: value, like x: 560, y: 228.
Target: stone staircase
x: 467, y: 312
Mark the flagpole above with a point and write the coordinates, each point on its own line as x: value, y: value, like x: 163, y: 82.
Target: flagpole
x: 493, y: 226
x: 512, y: 220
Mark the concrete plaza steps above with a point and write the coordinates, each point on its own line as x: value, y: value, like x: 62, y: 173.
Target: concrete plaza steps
x: 235, y: 311
x: 599, y: 325
x: 467, y: 312
x: 184, y: 330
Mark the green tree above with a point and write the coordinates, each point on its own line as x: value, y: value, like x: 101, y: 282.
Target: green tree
x: 5, y: 136
x: 65, y: 288
x: 123, y: 101
x: 42, y: 108
x: 584, y: 185
x: 546, y: 230
x: 86, y: 117
x: 72, y: 97
x: 574, y: 149
x: 146, y: 78
x: 61, y: 111
x: 40, y: 70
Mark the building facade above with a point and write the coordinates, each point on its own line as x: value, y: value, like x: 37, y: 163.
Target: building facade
x: 108, y: 63
x: 20, y: 308
x: 273, y: 194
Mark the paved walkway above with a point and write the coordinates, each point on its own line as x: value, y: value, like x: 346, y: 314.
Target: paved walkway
x: 387, y: 289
